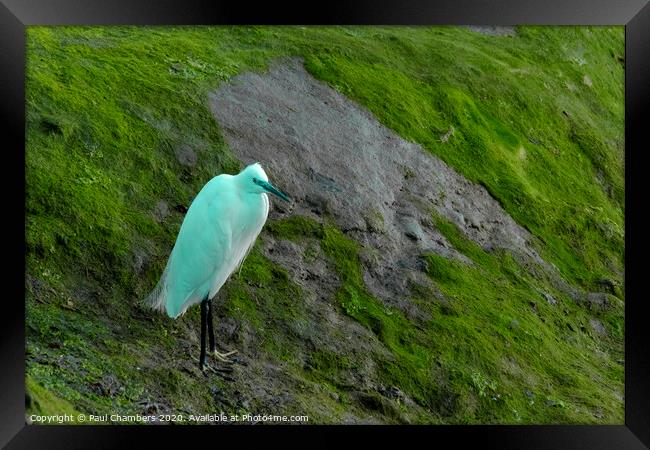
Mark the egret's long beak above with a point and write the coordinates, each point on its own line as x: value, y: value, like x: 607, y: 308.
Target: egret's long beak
x: 273, y: 190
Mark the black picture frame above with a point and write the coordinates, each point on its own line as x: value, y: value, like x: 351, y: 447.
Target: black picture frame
x: 15, y: 15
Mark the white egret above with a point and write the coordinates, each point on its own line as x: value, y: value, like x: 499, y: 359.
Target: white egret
x: 219, y: 229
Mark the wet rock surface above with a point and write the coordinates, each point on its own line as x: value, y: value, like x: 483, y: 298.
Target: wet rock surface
x: 186, y: 156
x: 334, y: 158
x: 494, y: 30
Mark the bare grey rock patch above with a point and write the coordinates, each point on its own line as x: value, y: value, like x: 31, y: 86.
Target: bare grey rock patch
x: 494, y: 30
x: 335, y: 158
x: 161, y: 211
x: 186, y: 156
x: 598, y: 327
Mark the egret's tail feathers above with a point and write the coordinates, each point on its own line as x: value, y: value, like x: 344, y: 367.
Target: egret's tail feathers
x: 157, y: 299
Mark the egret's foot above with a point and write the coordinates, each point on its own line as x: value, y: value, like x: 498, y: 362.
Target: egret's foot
x: 204, y: 367
x: 223, y: 357
x: 208, y: 367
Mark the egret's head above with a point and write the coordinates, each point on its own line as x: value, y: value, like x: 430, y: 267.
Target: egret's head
x: 255, y: 180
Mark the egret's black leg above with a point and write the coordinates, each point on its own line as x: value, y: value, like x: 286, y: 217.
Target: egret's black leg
x: 213, y: 348
x: 204, y: 306
x: 210, y: 327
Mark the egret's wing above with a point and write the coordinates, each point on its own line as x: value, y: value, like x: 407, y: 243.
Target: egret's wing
x: 253, y: 237
x: 243, y: 246
x: 201, y: 248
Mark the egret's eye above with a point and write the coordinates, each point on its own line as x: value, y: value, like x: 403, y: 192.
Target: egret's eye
x: 254, y: 180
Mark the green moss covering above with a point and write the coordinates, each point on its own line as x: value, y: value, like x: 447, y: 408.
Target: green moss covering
x: 109, y: 107
x: 43, y: 402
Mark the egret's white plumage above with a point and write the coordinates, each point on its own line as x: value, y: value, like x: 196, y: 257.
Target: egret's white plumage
x: 218, y: 231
